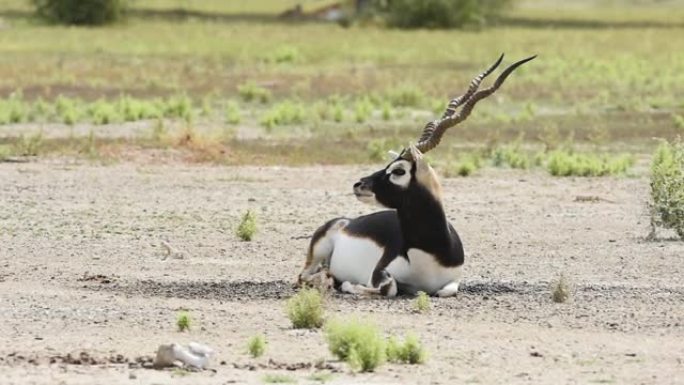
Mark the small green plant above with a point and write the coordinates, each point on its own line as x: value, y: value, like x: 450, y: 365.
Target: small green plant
x: 256, y: 346
x: 410, y: 352
x: 183, y: 321
x: 284, y: 113
x: 321, y: 377
x: 406, y: 96
x: 511, y: 156
x: 179, y: 106
x: 678, y: 121
x: 356, y: 342
x: 247, y: 227
x: 103, y: 112
x: 284, y: 54
x: 667, y: 187
x: 386, y: 111
x: 305, y: 309
x: 250, y: 92
x: 422, y: 302
x: 232, y: 113
x: 30, y: 145
x: 560, y: 290
x: 279, y: 379
x: 362, y: 110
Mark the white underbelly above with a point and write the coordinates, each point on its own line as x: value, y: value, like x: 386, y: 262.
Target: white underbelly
x: 353, y: 259
x: 423, y: 272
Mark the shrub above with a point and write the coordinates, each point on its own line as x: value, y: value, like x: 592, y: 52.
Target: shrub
x: 511, y: 156
x: 232, y: 113
x: 422, y: 302
x: 80, y: 12
x: 183, y: 321
x: 560, y: 290
x: 667, y: 187
x: 256, y: 346
x: 356, y: 342
x: 285, y: 113
x: 410, y: 352
x: 305, y: 309
x: 247, y: 227
x: 31, y: 145
x: 250, y: 92
x: 405, y: 96
x: 440, y: 13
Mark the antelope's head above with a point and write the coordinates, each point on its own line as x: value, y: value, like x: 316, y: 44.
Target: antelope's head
x: 408, y: 173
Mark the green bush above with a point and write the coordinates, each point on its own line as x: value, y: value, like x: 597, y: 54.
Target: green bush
x: 305, y: 309
x: 256, y: 346
x: 410, y: 352
x: 284, y: 113
x: 439, y: 13
x: 568, y: 163
x: 358, y: 343
x: 247, y: 227
x: 80, y: 12
x: 511, y: 156
x: 422, y: 302
x: 667, y: 187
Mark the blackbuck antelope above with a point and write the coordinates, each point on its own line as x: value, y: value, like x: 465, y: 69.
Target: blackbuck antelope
x: 411, y: 247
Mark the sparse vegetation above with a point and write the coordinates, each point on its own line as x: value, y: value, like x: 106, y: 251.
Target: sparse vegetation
x: 321, y: 377
x: 667, y: 187
x: 305, y: 309
x: 247, y: 227
x: 283, y: 114
x: 183, y: 321
x: 356, y: 342
x: 279, y: 379
x: 569, y: 163
x: 250, y: 92
x: 80, y: 12
x: 422, y: 302
x: 409, y: 352
x: 560, y: 289
x: 256, y: 346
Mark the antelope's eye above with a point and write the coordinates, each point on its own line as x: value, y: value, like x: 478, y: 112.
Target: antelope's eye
x: 398, y: 171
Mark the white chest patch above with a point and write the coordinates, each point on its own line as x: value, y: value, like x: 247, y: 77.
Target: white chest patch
x: 423, y: 272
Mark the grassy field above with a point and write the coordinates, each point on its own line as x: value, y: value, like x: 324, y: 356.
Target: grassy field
x: 605, y: 78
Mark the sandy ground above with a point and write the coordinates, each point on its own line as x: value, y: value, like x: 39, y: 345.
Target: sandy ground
x: 63, y: 223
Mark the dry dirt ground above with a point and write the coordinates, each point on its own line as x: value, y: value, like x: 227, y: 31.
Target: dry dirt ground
x: 82, y: 271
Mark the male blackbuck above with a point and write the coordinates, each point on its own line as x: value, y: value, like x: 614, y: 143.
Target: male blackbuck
x: 411, y: 247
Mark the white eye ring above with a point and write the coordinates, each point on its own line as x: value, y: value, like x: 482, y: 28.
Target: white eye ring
x: 399, y: 171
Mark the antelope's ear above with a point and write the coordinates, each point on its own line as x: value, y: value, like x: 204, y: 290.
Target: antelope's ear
x: 392, y: 155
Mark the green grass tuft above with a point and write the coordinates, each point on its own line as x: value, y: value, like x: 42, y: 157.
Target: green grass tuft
x: 305, y: 309
x: 422, y: 302
x: 247, y: 227
x: 278, y: 379
x: 256, y: 346
x: 560, y: 290
x: 250, y: 92
x: 183, y: 321
x: 358, y: 343
x: 410, y: 352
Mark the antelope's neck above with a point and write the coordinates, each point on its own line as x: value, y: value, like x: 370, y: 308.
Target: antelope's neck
x: 423, y: 224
